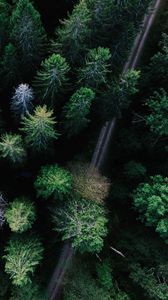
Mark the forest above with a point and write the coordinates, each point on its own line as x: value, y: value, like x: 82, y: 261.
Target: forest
x: 71, y: 227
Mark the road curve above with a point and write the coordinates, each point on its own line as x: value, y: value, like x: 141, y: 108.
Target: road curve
x: 103, y: 142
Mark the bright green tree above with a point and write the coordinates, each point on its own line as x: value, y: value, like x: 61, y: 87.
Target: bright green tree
x: 150, y: 200
x: 73, y: 37
x: 94, y: 72
x: 23, y: 254
x: 20, y: 214
x: 39, y: 128
x: 53, y: 180
x: 52, y: 78
x: 27, y: 34
x: 84, y: 222
x: 77, y: 110
x: 12, y: 148
x: 157, y: 119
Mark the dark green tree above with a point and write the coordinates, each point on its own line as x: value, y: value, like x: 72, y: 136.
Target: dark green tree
x: 30, y: 291
x: 53, y: 180
x: 20, y: 215
x: 94, y: 73
x: 39, y: 129
x: 134, y: 170
x: 73, y: 37
x: 12, y: 148
x: 84, y: 222
x: 23, y: 254
x: 4, y: 22
x: 52, y: 78
x: 28, y: 35
x: 77, y: 110
x: 150, y: 200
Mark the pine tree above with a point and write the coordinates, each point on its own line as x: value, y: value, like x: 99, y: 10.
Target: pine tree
x: 20, y: 215
x: 74, y: 35
x: 12, y: 148
x: 22, y: 99
x: 77, y: 110
x: 23, y: 254
x: 53, y: 180
x: 39, y: 129
x: 84, y: 222
x: 52, y: 78
x: 94, y: 73
x: 27, y: 35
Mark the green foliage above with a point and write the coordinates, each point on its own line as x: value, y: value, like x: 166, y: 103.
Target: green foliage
x: 157, y: 119
x: 94, y: 73
x: 77, y: 110
x: 150, y: 199
x: 104, y: 272
x: 133, y: 169
x: 27, y: 34
x: 23, y: 254
x: 73, y: 37
x: 39, y: 128
x: 53, y: 180
x: 4, y: 22
x: 30, y: 291
x: 84, y: 222
x: 88, y: 182
x: 11, y: 148
x: 20, y: 215
x: 52, y: 78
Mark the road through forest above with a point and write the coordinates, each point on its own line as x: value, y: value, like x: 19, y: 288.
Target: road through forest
x: 104, y: 139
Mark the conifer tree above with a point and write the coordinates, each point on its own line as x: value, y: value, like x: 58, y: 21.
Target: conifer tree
x: 20, y: 215
x: 23, y: 254
x: 84, y: 222
x: 74, y: 35
x: 52, y: 78
x: 94, y: 72
x: 27, y: 35
x: 53, y: 180
x: 22, y: 99
x: 77, y: 110
x: 11, y: 148
x: 4, y: 22
x: 39, y: 128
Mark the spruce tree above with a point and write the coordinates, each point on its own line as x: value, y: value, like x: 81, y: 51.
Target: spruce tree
x: 77, y: 110
x: 20, y: 214
x: 52, y: 78
x: 23, y: 255
x: 12, y: 148
x: 39, y: 129
x: 22, y: 99
x: 27, y: 35
x: 73, y: 37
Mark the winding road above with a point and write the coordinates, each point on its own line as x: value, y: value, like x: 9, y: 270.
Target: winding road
x: 104, y: 139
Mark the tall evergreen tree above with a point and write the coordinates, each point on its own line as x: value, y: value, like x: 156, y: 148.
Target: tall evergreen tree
x: 77, y: 110
x: 52, y: 78
x: 39, y: 129
x: 12, y: 148
x: 22, y: 99
x: 27, y: 35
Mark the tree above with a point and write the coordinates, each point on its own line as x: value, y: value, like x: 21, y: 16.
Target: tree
x: 77, y: 110
x: 39, y: 128
x: 157, y: 119
x: 28, y: 35
x: 9, y: 66
x: 11, y: 148
x: 89, y: 183
x: 94, y: 73
x: 84, y: 222
x: 52, y: 78
x: 4, y: 22
x: 22, y: 99
x: 3, y: 206
x: 20, y: 214
x: 150, y: 199
x: 23, y: 254
x: 133, y: 169
x: 30, y: 291
x: 53, y: 180
x: 73, y: 37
